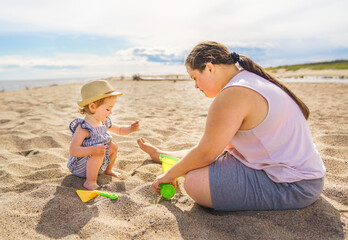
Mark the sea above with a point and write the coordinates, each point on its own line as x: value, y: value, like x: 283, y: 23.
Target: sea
x: 14, y: 85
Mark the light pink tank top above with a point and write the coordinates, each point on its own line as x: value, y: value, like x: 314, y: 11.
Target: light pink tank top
x: 281, y: 144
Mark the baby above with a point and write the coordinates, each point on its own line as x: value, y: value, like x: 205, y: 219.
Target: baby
x: 91, y: 150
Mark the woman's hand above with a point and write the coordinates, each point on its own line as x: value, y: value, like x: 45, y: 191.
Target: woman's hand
x: 163, y: 178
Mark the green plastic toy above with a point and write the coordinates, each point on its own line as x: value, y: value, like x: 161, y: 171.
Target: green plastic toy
x: 167, y: 190
x: 86, y: 195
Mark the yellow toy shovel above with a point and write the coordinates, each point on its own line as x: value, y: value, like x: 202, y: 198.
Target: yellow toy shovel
x: 87, y: 195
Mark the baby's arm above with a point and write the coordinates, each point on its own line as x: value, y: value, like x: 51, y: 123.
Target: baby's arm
x: 124, y: 130
x: 77, y: 150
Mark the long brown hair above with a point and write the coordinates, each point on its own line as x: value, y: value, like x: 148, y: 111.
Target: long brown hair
x: 217, y: 53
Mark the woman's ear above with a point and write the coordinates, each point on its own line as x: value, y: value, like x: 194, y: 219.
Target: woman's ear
x: 210, y: 67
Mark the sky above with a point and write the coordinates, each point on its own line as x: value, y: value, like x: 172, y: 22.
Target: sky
x: 50, y: 39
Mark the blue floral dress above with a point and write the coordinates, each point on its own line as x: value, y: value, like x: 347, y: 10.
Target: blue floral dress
x: 97, y: 135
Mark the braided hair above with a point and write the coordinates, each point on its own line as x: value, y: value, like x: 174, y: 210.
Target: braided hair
x: 216, y: 53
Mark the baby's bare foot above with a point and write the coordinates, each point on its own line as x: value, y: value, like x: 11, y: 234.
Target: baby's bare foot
x: 112, y: 173
x: 90, y: 186
x: 149, y: 149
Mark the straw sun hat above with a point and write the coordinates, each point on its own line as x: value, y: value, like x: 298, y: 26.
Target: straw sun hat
x: 95, y: 90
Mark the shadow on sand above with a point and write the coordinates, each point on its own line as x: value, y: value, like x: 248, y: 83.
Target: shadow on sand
x: 60, y: 217
x: 318, y: 221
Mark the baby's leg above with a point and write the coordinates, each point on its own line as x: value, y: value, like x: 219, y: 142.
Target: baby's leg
x: 154, y: 152
x: 113, y: 148
x: 92, y: 169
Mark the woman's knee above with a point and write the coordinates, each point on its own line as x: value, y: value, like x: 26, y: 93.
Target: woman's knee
x: 197, y: 186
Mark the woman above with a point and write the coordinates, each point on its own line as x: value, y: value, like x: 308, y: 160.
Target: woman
x: 256, y: 152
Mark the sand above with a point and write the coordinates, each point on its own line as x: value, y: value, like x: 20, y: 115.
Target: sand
x: 37, y: 192
x: 305, y: 72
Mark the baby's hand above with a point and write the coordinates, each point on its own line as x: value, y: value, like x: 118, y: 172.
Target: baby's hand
x: 99, y: 149
x: 134, y: 126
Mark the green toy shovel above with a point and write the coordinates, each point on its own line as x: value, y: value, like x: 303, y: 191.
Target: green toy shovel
x: 86, y: 195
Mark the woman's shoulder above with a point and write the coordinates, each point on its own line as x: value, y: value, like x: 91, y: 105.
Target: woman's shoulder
x: 243, y: 102
x: 238, y: 100
x: 245, y: 78
x: 235, y: 95
x: 248, y: 84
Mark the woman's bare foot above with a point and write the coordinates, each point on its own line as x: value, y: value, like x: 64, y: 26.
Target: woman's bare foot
x: 90, y: 186
x: 112, y: 173
x: 149, y: 149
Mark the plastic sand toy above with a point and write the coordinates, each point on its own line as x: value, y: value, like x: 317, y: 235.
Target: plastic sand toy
x: 167, y: 162
x: 86, y: 195
x: 167, y: 189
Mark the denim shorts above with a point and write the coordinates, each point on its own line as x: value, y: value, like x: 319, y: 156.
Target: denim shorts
x: 236, y: 187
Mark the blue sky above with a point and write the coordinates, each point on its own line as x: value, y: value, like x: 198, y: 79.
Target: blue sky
x: 82, y: 38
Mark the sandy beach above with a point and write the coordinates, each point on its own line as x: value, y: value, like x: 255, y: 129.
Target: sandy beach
x: 38, y: 197
x: 305, y: 72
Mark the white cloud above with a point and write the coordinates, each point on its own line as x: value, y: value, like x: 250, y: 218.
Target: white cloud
x: 168, y: 29
x: 180, y: 22
x: 124, y: 62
